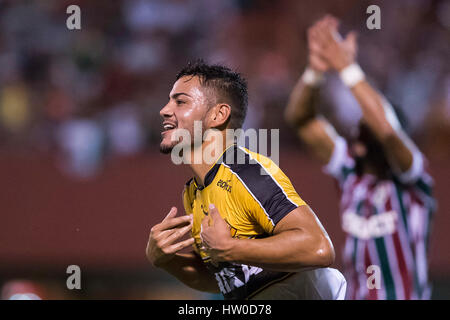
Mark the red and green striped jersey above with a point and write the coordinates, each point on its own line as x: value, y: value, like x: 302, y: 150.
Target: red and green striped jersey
x: 387, y: 224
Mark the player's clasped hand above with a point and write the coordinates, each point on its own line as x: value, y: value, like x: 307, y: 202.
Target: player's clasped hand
x: 316, y: 61
x: 327, y: 48
x: 163, y: 242
x: 216, y: 236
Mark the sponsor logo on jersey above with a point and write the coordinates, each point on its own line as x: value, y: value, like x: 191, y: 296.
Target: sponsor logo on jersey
x: 224, y: 184
x: 376, y: 226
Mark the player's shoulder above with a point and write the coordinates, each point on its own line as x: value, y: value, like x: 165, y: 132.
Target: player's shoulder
x: 263, y: 180
x: 243, y: 161
x: 255, y: 171
x: 267, y: 163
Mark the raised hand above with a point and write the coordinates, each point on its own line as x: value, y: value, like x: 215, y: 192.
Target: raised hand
x: 328, y: 45
x: 315, y: 60
x: 163, y: 242
x: 216, y: 236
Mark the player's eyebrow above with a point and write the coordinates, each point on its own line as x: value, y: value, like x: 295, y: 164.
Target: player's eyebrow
x: 176, y: 95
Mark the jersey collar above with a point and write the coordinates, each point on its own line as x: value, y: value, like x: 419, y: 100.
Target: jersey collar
x: 211, y: 174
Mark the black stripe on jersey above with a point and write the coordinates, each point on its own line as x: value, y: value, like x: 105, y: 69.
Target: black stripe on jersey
x: 208, y: 178
x: 211, y: 174
x: 213, y: 171
x: 264, y: 188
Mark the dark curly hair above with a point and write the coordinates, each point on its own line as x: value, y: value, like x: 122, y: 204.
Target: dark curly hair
x: 229, y: 87
x: 376, y: 156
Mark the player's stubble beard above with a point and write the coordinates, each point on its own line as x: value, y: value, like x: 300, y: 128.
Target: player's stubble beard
x: 167, y: 148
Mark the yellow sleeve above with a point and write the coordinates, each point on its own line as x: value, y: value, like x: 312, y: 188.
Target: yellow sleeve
x: 270, y: 194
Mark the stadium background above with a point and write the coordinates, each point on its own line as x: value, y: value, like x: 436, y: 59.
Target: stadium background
x: 81, y: 179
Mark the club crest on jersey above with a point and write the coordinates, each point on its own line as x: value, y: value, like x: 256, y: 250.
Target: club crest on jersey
x: 224, y: 185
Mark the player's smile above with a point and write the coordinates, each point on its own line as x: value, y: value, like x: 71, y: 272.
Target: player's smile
x: 168, y: 126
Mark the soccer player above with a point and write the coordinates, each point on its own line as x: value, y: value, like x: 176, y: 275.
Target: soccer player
x: 253, y: 237
x: 386, y: 200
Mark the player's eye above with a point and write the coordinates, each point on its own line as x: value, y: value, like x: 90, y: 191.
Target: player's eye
x: 180, y: 102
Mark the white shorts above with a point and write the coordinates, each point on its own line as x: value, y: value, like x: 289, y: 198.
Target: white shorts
x: 317, y: 284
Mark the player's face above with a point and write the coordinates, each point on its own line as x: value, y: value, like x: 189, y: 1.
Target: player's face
x: 187, y: 103
x: 368, y: 150
x: 358, y: 148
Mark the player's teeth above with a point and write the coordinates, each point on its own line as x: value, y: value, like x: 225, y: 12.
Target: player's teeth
x: 168, y: 126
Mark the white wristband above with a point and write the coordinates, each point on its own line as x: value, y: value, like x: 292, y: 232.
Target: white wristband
x: 312, y: 77
x: 351, y: 75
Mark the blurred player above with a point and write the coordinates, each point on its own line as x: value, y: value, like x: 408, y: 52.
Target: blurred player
x: 386, y: 202
x: 252, y: 233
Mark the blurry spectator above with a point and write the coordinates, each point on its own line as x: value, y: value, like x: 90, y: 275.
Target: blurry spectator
x: 125, y: 134
x: 81, y: 141
x: 127, y: 49
x: 14, y: 107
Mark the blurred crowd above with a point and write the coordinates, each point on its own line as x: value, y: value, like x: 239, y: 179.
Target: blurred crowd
x: 93, y: 94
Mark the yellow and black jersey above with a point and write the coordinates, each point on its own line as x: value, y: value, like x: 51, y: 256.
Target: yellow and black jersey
x: 252, y: 195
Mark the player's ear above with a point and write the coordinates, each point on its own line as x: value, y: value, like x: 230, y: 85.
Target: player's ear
x: 220, y: 115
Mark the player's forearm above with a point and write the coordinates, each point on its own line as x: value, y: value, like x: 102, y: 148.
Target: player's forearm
x: 379, y: 116
x: 189, y: 269
x: 291, y: 250
x: 374, y: 110
x: 302, y: 104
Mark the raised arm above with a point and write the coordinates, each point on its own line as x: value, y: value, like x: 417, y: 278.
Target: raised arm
x: 300, y: 112
x: 381, y: 119
x: 377, y: 112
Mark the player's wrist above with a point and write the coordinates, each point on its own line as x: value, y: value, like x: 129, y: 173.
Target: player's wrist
x: 163, y: 262
x: 229, y: 253
x: 340, y: 62
x: 312, y: 77
x: 352, y: 74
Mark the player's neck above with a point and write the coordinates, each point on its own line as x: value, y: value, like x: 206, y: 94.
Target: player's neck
x: 205, y: 156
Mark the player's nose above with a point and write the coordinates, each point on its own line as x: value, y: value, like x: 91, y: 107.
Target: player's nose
x: 166, y: 111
